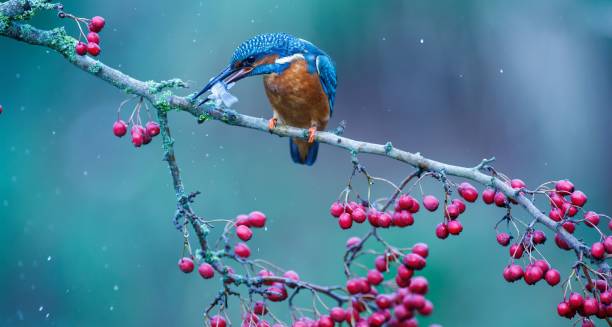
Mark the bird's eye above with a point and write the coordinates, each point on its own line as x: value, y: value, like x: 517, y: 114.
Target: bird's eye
x: 249, y: 60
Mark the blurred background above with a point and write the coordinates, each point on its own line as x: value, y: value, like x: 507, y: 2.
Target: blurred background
x: 86, y: 234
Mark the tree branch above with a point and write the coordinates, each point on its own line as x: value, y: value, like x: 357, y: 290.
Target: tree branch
x: 163, y: 100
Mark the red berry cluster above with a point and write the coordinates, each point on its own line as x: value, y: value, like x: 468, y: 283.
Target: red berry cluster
x: 94, y: 25
x: 140, y: 135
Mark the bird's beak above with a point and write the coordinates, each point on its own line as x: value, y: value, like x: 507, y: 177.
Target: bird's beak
x: 229, y: 75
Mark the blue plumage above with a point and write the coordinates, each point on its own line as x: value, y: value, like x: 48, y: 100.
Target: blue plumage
x: 300, y: 82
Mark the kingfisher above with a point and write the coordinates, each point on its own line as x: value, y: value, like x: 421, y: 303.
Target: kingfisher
x: 299, y: 80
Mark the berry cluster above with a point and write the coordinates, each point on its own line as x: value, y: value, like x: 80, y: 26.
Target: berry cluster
x: 94, y: 26
x: 140, y: 135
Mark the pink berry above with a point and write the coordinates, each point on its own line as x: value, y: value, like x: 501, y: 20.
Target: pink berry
x: 80, y: 48
x: 352, y: 241
x: 468, y: 192
x: 533, y: 274
x: 257, y: 219
x: 353, y: 286
x: 608, y: 244
x: 564, y: 187
x: 539, y: 237
x: 452, y: 211
x: 402, y: 218
x: 590, y: 306
x: 375, y: 277
x: 96, y: 25
x: 152, y: 128
x: 137, y: 139
x: 186, y: 265
x: 337, y: 314
x: 561, y: 243
x: 488, y: 195
x: 516, y: 251
x: 419, y: 285
x: 414, y: 261
x: 383, y: 301
x: 384, y: 220
x: 459, y: 204
x: 421, y: 249
x: 336, y: 209
x: 430, y: 203
x: 552, y: 277
x: 575, y: 301
x: 441, y: 231
x: 454, y: 227
x: 563, y: 309
x: 206, y: 271
x: 345, y: 221
x: 93, y: 49
x: 119, y: 128
x: 591, y: 219
x: 93, y: 37
x: 578, y: 198
x: 324, y: 321
x: 517, y: 184
x: 503, y: 239
x: 405, y: 202
x: 598, y: 251
x: 290, y: 274
x: 217, y: 321
x: 259, y: 308
x: 243, y: 220
x: 244, y: 233
x: 242, y: 250
x: 500, y: 199
x: 358, y: 215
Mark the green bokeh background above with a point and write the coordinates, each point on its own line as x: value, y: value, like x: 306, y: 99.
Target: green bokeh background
x: 85, y: 219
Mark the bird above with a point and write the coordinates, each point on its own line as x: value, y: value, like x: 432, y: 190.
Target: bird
x: 299, y: 81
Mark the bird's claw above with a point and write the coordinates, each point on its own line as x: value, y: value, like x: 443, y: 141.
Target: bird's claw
x: 272, y: 123
x: 311, y: 134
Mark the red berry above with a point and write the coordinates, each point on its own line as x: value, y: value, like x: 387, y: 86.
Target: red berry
x: 517, y: 184
x: 606, y: 297
x: 259, y: 308
x: 454, y: 227
x: 186, y: 265
x: 353, y: 241
x: 503, y: 239
x: 358, y: 215
x: 384, y: 220
x: 533, y: 274
x: 427, y: 309
x: 217, y: 321
x: 404, y: 273
x: 452, y: 211
x: 405, y: 202
x: 459, y: 204
x: 488, y: 195
x: 414, y: 261
x: 93, y: 49
x: 242, y: 220
x: 563, y: 309
x: 353, y: 286
x: 336, y: 209
x: 93, y: 37
x: 555, y: 214
x: 337, y: 314
x: 80, y: 48
x: 413, y: 301
x: 556, y: 200
x: 375, y: 277
x: 152, y: 128
x: 569, y: 226
x: 381, y: 263
x: 430, y: 203
x: 575, y: 301
x: 564, y: 187
x: 588, y: 322
x: 244, y: 233
x: 373, y: 216
x: 591, y: 218
x: 552, y: 277
x: 376, y: 319
x: 96, y: 24
x: 137, y: 139
x: 598, y: 250
x: 242, y: 250
x: 543, y: 265
x: 421, y: 249
x: 578, y: 198
x: 276, y: 293
x: 441, y: 231
x: 500, y: 199
x: 608, y: 244
x: 402, y: 218
x: 345, y: 221
x: 561, y: 243
x: 257, y: 219
x: 590, y: 306
x: 539, y: 237
x: 265, y: 273
x: 206, y: 271
x: 468, y: 192
x: 516, y: 251
x: 290, y: 274
x: 419, y: 285
x: 119, y: 128
x: 383, y: 301
x: 325, y: 321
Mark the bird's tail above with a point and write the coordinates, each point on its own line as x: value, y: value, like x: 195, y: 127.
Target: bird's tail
x: 302, y: 152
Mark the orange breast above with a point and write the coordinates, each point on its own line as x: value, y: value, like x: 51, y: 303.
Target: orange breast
x: 297, y: 96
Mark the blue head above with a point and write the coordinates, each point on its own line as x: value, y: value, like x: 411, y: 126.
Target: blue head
x: 256, y: 56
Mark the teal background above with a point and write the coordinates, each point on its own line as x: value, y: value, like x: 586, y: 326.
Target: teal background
x: 85, y: 219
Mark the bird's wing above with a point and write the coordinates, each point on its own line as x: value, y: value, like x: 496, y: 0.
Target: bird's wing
x: 327, y: 75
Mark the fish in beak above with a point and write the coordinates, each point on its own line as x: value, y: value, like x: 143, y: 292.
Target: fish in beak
x: 229, y: 75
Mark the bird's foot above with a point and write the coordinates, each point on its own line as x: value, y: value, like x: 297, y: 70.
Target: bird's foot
x: 272, y: 123
x: 311, y: 134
